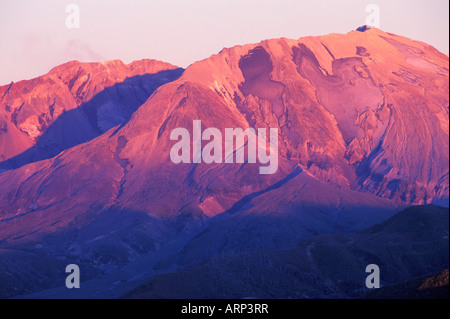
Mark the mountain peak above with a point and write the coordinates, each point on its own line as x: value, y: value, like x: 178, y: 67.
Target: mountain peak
x: 30, y: 109
x: 364, y: 28
x: 363, y: 130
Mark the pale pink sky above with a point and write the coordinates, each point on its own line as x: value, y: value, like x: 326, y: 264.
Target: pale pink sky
x: 34, y: 37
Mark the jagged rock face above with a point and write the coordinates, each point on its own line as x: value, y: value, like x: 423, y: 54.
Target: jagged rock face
x: 363, y: 124
x: 71, y: 104
x: 363, y: 131
x: 366, y: 111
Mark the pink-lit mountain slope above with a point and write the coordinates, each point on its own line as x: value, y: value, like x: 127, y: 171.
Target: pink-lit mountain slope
x: 71, y: 104
x: 364, y: 111
x: 363, y: 130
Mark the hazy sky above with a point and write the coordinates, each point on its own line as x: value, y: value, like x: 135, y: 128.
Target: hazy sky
x: 34, y: 37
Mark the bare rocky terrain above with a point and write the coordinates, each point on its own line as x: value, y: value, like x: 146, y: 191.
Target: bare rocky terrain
x: 87, y: 177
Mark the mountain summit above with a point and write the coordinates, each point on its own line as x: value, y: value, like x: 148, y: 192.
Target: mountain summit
x: 71, y: 104
x: 363, y: 131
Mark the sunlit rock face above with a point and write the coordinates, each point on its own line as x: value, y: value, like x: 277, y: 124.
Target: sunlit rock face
x: 71, y: 104
x: 363, y: 132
